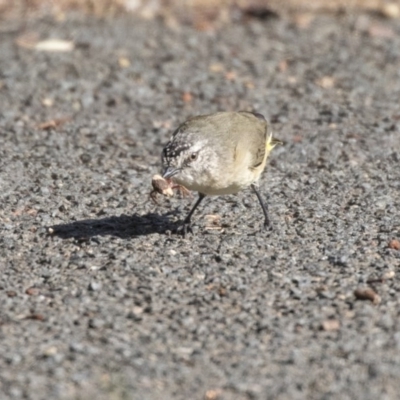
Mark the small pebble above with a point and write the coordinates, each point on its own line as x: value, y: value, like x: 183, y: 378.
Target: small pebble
x: 330, y: 325
x: 95, y: 286
x: 367, y: 294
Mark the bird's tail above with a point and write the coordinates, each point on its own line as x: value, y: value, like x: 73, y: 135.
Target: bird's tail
x: 272, y: 142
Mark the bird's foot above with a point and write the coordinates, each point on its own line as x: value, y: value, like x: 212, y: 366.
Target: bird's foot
x: 267, y: 227
x: 184, y: 229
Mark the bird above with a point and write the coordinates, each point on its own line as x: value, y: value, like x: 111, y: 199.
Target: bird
x: 218, y: 154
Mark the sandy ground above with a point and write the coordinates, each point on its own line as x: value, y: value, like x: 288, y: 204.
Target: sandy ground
x: 114, y: 306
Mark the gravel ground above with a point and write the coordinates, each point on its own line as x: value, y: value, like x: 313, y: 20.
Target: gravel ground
x: 114, y: 306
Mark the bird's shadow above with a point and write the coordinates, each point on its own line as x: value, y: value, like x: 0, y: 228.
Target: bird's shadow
x: 124, y: 226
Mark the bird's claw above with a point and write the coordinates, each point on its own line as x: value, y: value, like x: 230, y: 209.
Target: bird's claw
x: 184, y: 229
x: 267, y: 225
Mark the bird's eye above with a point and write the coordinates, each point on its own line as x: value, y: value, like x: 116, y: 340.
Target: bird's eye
x: 193, y: 156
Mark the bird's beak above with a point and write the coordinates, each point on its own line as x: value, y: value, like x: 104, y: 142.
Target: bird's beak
x: 169, y: 172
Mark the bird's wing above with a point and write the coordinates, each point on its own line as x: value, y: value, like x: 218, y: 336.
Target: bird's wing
x: 252, y: 130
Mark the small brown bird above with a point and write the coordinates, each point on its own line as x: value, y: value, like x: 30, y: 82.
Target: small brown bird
x: 217, y: 154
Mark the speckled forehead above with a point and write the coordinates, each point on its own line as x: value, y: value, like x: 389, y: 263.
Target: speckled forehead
x: 174, y: 148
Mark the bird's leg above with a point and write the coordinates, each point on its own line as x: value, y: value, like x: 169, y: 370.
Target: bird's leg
x: 185, y: 228
x: 264, y: 206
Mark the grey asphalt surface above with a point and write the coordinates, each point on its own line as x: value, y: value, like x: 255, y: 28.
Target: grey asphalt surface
x: 114, y: 306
